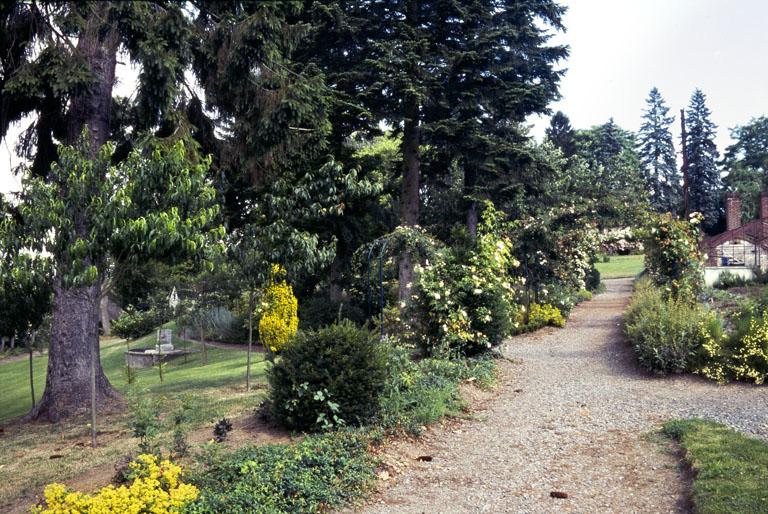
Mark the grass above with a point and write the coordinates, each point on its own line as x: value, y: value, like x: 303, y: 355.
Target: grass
x: 621, y: 266
x: 731, y: 470
x: 32, y: 455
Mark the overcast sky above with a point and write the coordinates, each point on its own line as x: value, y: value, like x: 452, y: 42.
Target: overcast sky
x: 622, y: 48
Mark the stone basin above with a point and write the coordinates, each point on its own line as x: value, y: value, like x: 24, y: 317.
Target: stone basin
x: 148, y: 357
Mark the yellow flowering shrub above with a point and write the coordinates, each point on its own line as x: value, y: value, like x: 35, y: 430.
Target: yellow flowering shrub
x: 749, y: 360
x: 155, y: 489
x: 279, y: 320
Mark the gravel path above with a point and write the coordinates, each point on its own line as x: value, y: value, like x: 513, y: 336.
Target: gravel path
x: 574, y: 416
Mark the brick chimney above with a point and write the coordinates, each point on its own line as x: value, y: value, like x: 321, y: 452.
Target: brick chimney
x: 764, y: 206
x: 733, y: 209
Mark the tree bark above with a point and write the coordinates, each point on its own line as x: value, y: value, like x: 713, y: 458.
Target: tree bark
x: 470, y: 182
x: 409, y: 192
x: 74, y: 341
x: 106, y: 322
x: 74, y: 345
x: 250, y: 341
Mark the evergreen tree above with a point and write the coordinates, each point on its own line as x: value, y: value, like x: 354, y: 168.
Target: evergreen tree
x: 617, y: 181
x: 263, y: 117
x: 561, y: 134
x: 746, y: 162
x: 704, y: 182
x: 657, y: 156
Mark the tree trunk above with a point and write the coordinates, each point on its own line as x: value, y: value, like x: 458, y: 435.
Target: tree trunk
x: 409, y: 192
x: 104, y: 313
x: 31, y: 345
x: 74, y: 341
x: 334, y: 289
x: 470, y: 181
x: 250, y: 343
x: 74, y: 345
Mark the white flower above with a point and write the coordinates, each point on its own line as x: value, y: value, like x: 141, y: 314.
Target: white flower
x: 437, y: 296
x: 477, y: 291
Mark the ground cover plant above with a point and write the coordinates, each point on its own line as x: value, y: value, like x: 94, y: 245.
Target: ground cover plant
x: 317, y: 474
x: 730, y: 470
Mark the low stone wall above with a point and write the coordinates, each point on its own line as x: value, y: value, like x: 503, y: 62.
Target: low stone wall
x: 712, y: 273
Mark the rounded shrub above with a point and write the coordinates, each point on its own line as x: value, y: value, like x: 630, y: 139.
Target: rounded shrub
x: 328, y: 377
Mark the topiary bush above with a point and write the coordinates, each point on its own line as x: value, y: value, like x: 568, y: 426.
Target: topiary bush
x: 279, y: 320
x: 328, y: 377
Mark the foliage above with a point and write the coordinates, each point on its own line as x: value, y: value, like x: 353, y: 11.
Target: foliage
x: 538, y: 316
x: 464, y: 300
x: 747, y: 163
x: 279, y: 320
x: 668, y: 334
x: 657, y: 156
x: 221, y: 430
x: 727, y: 279
x: 133, y: 323
x: 316, y: 474
x: 145, y: 420
x: 420, y: 392
x: 730, y: 470
x: 704, y: 182
x: 615, y: 176
x: 328, y: 377
x: 743, y: 354
x: 156, y: 487
x: 672, y: 256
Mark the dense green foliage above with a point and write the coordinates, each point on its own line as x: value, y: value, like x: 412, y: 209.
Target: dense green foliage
x: 464, y: 300
x: 327, y: 378
x: 420, y: 392
x: 133, y: 324
x: 657, y: 156
x: 730, y: 470
x: 672, y: 256
x: 316, y: 474
x: 668, y: 334
x: 703, y: 175
x: 746, y: 162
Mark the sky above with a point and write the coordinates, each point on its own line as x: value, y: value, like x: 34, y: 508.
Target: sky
x: 620, y: 49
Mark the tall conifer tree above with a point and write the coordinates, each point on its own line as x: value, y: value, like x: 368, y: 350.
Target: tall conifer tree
x: 561, y: 134
x: 703, y: 174
x: 657, y: 155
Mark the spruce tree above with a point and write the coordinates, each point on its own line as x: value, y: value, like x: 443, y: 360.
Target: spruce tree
x: 561, y: 134
x: 704, y: 182
x: 657, y: 156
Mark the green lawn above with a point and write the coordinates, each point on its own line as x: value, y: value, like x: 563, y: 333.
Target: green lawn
x: 731, y: 470
x: 621, y: 266
x: 225, y: 368
x: 32, y: 455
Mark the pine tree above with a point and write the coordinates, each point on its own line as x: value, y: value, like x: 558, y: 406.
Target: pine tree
x: 704, y: 180
x: 657, y: 156
x: 561, y: 134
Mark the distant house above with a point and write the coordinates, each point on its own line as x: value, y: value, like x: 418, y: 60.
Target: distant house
x: 742, y: 247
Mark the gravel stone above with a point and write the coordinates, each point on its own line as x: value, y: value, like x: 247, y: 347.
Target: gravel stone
x: 575, y: 414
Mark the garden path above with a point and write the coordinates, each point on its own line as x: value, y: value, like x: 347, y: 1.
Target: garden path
x: 575, y: 415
